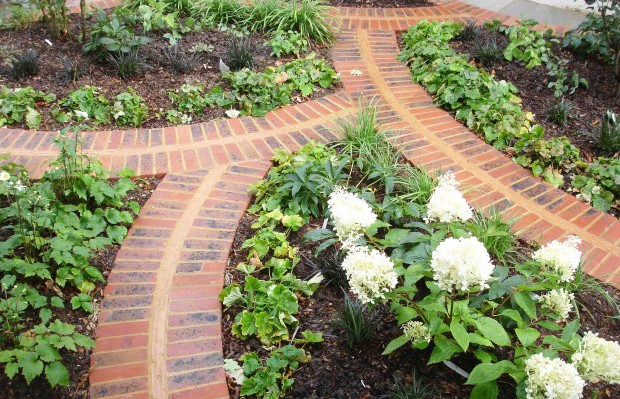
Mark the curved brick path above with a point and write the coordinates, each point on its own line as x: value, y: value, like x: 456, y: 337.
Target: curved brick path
x: 159, y: 330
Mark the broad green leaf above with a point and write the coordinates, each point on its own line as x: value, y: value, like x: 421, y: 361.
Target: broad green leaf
x: 395, y: 344
x: 527, y: 335
x: 492, y: 330
x: 485, y: 372
x: 486, y: 390
x: 460, y: 335
x: 525, y: 302
x: 57, y: 374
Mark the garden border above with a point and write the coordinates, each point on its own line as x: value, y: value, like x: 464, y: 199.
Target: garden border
x: 159, y: 332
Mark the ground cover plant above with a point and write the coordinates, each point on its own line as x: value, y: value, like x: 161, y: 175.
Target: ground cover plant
x: 493, y: 108
x: 158, y: 48
x: 427, y: 282
x: 54, y: 231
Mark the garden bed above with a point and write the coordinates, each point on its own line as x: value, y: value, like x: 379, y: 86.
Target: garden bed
x: 381, y: 3
x: 153, y: 83
x: 334, y: 369
x: 587, y: 105
x: 78, y: 363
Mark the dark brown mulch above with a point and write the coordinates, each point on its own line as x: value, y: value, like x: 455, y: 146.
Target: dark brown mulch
x: 337, y: 372
x: 78, y: 362
x: 381, y: 3
x: 153, y: 84
x: 588, y: 105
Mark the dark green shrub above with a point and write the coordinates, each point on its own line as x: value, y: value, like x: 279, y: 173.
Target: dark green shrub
x: 128, y: 64
x: 239, y: 54
x: 487, y: 52
x: 560, y: 112
x: 71, y: 70
x: 609, y: 138
x: 24, y: 65
x: 181, y: 61
x: 357, y: 321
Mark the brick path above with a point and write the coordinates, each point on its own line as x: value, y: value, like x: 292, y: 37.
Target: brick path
x: 159, y: 333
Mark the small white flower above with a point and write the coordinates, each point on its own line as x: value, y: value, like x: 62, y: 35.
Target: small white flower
x: 447, y: 202
x: 233, y: 113
x: 459, y: 264
x: 4, y: 176
x: 562, y: 258
x: 81, y: 114
x: 370, y: 273
x: 559, y: 302
x: 356, y: 72
x: 598, y: 359
x: 351, y: 214
x: 552, y: 379
x: 19, y: 186
x: 416, y: 331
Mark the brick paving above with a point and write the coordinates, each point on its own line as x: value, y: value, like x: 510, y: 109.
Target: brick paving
x: 159, y: 332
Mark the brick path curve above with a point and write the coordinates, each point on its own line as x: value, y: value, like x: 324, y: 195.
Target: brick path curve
x: 159, y: 332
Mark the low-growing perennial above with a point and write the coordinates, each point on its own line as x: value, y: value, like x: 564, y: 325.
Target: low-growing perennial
x: 351, y: 214
x: 552, y: 379
x: 562, y: 258
x: 370, y: 273
x: 459, y: 264
x: 598, y: 359
x: 558, y: 301
x: 447, y: 202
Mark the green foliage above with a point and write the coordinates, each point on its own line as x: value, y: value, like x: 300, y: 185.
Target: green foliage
x: 559, y: 80
x: 560, y: 112
x: 469, y: 32
x: 112, y: 35
x: 220, y: 12
x: 188, y: 100
x: 526, y: 45
x: 357, y: 320
x: 418, y: 388
x: 487, y: 52
x: 285, y: 43
x: 609, y: 137
x: 54, y: 227
x: 495, y: 234
x: 24, y: 65
x: 239, y: 54
x: 87, y: 100
x: 599, y: 183
x: 17, y: 105
x: 54, y: 13
x: 18, y: 14
x: 129, y: 109
x: 270, y: 379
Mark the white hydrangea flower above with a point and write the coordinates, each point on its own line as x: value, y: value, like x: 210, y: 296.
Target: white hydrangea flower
x: 4, y: 176
x: 558, y: 301
x: 598, y: 359
x: 552, y: 379
x: 370, y: 273
x: 351, y: 214
x: 81, y: 114
x: 416, y: 331
x: 562, y: 258
x: 19, y: 186
x: 447, y: 202
x: 458, y: 264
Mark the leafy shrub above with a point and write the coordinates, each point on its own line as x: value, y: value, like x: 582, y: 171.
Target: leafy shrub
x: 128, y: 64
x: 357, y: 321
x: 526, y: 45
x: 239, y: 54
x: 112, y: 35
x: 18, y: 14
x: 495, y: 234
x: 87, y: 103
x: 560, y: 112
x: 71, y: 70
x: 487, y: 52
x: 188, y: 100
x: 17, y: 105
x: 181, y: 61
x: 24, y: 65
x: 609, y: 137
x: 54, y: 13
x: 559, y: 80
x: 285, y: 43
x: 129, y: 109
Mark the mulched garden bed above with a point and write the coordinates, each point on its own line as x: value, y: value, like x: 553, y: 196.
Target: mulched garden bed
x: 153, y: 84
x: 363, y: 373
x: 381, y: 3
x: 78, y: 363
x: 588, y: 105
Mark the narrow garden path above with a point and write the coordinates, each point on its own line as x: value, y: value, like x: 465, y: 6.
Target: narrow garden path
x: 159, y: 333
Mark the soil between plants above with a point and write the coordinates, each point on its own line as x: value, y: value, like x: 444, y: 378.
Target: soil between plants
x: 337, y: 372
x: 588, y: 105
x: 78, y: 363
x: 381, y: 3
x: 152, y: 84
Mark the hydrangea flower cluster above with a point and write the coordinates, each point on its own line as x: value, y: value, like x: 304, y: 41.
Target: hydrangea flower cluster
x: 598, y: 359
x: 552, y: 379
x: 351, y: 214
x: 459, y: 264
x: 447, y: 202
x: 370, y: 273
x: 562, y: 258
x: 416, y: 331
x: 558, y: 301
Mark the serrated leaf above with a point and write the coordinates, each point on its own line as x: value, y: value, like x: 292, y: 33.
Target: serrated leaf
x: 57, y: 374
